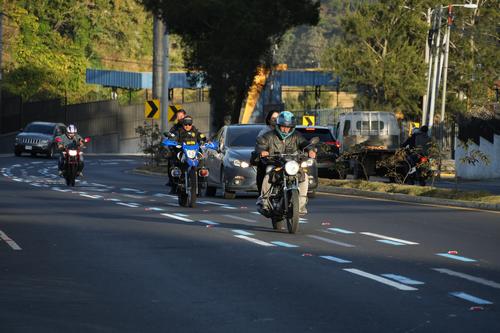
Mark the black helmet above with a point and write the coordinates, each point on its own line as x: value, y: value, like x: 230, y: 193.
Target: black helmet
x: 188, y: 120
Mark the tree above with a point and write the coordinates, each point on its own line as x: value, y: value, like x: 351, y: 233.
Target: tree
x: 225, y: 41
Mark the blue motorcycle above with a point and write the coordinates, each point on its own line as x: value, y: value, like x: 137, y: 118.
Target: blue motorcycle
x: 189, y: 175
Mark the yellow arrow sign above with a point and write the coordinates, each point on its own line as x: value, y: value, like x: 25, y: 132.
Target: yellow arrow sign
x: 152, y: 109
x: 308, y: 121
x: 172, y: 110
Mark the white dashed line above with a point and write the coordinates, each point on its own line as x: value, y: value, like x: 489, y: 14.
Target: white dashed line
x: 209, y: 222
x: 238, y: 218
x: 131, y: 205
x: 377, y: 278
x: 455, y: 257
x: 242, y: 232
x: 327, y: 240
x: 9, y: 241
x: 283, y: 244
x: 469, y: 277
x: 389, y: 238
x: 91, y: 196
x: 470, y: 298
x: 339, y: 260
x: 254, y: 240
x: 402, y: 279
x: 177, y: 217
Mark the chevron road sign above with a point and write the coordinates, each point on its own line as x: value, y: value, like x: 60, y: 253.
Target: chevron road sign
x: 152, y: 109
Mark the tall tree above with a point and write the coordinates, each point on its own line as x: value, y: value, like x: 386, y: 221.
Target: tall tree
x: 226, y: 41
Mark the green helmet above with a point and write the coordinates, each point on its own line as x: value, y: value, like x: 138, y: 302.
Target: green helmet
x: 286, y: 119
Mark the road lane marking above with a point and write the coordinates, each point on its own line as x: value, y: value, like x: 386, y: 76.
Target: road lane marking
x: 254, y: 240
x: 209, y: 222
x: 476, y: 279
x: 242, y: 232
x: 229, y: 207
x: 339, y: 260
x: 91, y: 196
x: 131, y: 205
x: 9, y: 241
x: 126, y: 189
x: 402, y: 279
x: 455, y: 257
x: 386, y: 241
x: 214, y: 203
x: 256, y: 213
x: 389, y: 238
x: 470, y: 298
x: 238, y: 218
x: 377, y: 278
x: 113, y: 199
x: 331, y: 241
x: 177, y: 217
x: 283, y: 244
x: 155, y: 209
x: 342, y: 231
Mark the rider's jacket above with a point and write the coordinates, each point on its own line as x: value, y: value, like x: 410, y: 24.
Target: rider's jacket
x: 183, y: 136
x: 271, y: 142
x: 65, y: 141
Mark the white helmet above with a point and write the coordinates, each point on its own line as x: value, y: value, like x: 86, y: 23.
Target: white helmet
x: 71, y: 129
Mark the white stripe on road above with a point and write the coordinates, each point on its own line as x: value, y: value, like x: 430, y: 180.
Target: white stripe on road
x: 377, y: 278
x: 126, y: 189
x: 113, y: 199
x: 284, y: 244
x: 9, y: 241
x: 470, y: 298
x: 339, y: 260
x: 177, y: 217
x: 386, y: 241
x: 253, y: 240
x: 402, y: 279
x: 208, y: 222
x: 155, y: 209
x: 131, y: 205
x: 214, y: 203
x: 389, y: 238
x: 469, y: 277
x: 91, y: 196
x: 242, y: 232
x: 342, y: 231
x: 327, y: 240
x: 455, y: 257
x: 238, y: 218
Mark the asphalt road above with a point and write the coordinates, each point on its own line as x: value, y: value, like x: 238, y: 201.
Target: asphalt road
x: 116, y: 254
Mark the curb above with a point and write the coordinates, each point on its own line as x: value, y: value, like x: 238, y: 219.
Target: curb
x: 409, y: 198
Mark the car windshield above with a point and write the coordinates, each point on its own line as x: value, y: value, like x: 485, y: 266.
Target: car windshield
x: 242, y: 136
x: 39, y: 128
x: 323, y: 134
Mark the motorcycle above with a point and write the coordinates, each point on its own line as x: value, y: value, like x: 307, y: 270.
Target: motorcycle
x: 188, y: 176
x: 72, y: 157
x: 285, y: 173
x: 414, y: 168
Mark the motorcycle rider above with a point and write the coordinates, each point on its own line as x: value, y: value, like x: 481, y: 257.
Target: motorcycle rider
x: 261, y: 167
x: 69, y: 139
x: 418, y: 144
x: 283, y: 139
x: 172, y: 159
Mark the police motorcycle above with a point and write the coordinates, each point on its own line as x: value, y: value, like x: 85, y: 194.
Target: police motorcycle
x: 188, y: 175
x: 72, y: 155
x: 285, y: 172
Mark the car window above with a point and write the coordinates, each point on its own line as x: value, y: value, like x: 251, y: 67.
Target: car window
x: 347, y: 127
x: 242, y: 136
x: 323, y: 134
x: 39, y: 128
x: 365, y: 125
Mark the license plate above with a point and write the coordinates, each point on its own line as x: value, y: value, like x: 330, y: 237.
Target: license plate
x: 28, y: 147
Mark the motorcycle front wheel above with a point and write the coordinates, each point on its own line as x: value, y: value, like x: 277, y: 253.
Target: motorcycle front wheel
x: 193, y: 183
x: 292, y: 217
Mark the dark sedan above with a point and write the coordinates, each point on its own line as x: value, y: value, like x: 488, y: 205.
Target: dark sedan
x: 38, y: 138
x: 229, y: 165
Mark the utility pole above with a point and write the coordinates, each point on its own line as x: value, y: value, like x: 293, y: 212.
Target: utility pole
x: 165, y: 84
x: 157, y: 56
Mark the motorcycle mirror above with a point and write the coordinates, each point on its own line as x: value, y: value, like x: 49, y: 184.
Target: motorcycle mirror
x: 58, y: 139
x: 86, y: 140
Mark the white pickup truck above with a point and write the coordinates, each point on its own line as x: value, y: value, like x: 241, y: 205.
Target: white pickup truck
x: 367, y: 137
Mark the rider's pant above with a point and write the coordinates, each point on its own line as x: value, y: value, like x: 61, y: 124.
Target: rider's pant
x: 266, y: 187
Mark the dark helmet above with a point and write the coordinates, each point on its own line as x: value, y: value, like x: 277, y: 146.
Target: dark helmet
x: 269, y: 121
x: 188, y: 120
x: 285, y: 119
x: 424, y: 129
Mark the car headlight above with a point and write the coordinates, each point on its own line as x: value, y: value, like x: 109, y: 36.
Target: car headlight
x: 17, y: 139
x: 191, y: 153
x: 241, y: 164
x: 44, y: 142
x: 292, y: 167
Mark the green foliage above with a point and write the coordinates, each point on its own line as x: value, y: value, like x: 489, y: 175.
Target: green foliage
x: 473, y: 156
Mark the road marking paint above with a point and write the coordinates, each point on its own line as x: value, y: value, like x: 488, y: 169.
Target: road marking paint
x: 172, y: 204
x: 177, y: 217
x: 331, y: 241
x: 113, y: 199
x: 255, y: 213
x: 160, y: 195
x: 126, y: 189
x: 91, y: 196
x: 208, y: 222
x: 389, y: 238
x: 386, y: 241
x: 402, y: 279
x: 131, y: 205
x: 9, y: 241
x: 470, y: 298
x: 229, y: 207
x: 339, y: 260
x: 254, y: 240
x: 284, y: 244
x: 155, y: 209
x: 377, y: 278
x: 17, y: 179
x: 180, y: 214
x: 476, y: 279
x: 342, y: 231
x: 133, y: 196
x: 242, y: 232
x: 303, y: 221
x: 215, y: 203
x: 36, y: 184
x: 238, y: 218
x: 452, y: 256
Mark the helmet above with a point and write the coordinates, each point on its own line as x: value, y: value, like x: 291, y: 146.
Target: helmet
x: 286, y: 119
x: 187, y: 120
x: 71, y: 129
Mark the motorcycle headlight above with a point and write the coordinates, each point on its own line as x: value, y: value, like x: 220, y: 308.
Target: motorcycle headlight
x: 292, y: 167
x: 73, y: 152
x: 191, y: 153
x: 241, y: 164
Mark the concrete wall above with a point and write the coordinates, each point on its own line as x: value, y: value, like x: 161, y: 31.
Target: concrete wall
x: 480, y: 170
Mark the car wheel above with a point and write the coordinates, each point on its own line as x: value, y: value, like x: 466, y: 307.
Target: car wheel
x: 226, y: 194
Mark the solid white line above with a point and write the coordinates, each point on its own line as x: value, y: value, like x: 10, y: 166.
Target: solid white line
x: 238, y: 218
x: 9, y: 241
x: 470, y: 298
x: 180, y: 218
x: 377, y: 278
x: 469, y: 277
x: 389, y: 238
x: 253, y: 240
x: 330, y: 241
x: 402, y: 279
x: 339, y: 260
x: 208, y: 222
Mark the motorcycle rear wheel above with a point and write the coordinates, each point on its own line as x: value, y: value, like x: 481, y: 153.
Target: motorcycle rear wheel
x: 292, y: 219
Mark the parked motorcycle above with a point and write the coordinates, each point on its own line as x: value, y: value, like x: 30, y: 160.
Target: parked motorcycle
x: 414, y: 168
x: 72, y: 155
x: 285, y: 172
x: 188, y: 175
